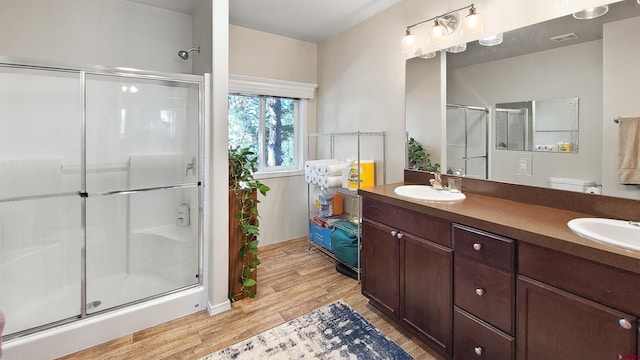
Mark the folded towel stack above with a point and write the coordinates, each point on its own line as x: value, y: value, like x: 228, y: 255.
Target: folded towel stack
x: 325, y: 173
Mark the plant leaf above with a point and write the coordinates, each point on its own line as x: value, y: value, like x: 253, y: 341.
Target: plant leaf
x: 249, y: 282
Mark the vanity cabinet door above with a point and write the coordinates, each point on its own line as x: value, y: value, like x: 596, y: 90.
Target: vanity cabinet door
x: 380, y: 258
x: 426, y: 283
x: 555, y: 324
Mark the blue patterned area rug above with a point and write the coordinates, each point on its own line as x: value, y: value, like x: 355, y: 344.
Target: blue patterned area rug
x: 335, y: 331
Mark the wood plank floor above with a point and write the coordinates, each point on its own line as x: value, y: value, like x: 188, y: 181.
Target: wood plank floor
x: 292, y: 281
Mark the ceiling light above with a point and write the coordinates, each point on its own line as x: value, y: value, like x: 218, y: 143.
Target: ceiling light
x: 492, y: 40
x: 457, y: 48
x: 591, y: 13
x: 473, y: 23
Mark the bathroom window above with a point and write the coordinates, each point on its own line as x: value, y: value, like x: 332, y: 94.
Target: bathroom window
x: 267, y: 125
x: 269, y: 116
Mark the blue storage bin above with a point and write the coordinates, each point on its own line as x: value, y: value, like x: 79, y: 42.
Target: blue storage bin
x: 320, y: 235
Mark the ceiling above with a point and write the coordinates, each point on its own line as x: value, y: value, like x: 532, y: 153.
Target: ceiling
x: 307, y: 20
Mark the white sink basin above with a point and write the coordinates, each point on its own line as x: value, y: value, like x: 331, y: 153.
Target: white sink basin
x: 618, y: 233
x: 425, y: 192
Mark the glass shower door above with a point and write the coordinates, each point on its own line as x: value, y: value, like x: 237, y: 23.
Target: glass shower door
x: 467, y: 149
x: 142, y: 142
x: 40, y: 206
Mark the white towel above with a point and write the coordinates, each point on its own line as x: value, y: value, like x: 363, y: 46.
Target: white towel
x: 629, y: 151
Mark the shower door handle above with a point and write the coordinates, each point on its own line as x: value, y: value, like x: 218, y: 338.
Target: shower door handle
x: 191, y: 167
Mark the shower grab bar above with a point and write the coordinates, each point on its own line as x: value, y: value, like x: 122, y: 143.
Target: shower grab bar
x: 39, y: 197
x: 94, y: 168
x: 135, y: 191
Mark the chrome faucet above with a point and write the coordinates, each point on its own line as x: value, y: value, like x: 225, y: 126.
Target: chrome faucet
x: 634, y: 223
x: 436, y: 182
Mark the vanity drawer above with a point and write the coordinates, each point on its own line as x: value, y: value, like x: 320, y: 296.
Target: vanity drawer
x: 476, y: 340
x: 485, y: 292
x: 613, y: 287
x: 484, y: 247
x: 409, y: 221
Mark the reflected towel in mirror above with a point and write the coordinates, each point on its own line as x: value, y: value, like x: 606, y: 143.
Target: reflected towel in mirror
x: 629, y: 151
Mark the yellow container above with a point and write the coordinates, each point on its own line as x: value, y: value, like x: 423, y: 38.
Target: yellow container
x: 367, y: 173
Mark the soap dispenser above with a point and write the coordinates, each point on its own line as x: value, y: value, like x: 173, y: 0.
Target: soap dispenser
x: 183, y: 214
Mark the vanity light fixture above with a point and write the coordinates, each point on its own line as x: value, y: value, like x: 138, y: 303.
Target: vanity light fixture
x: 457, y: 48
x: 409, y: 44
x: 473, y: 23
x: 591, y: 13
x: 443, y: 26
x: 492, y: 40
x: 430, y: 55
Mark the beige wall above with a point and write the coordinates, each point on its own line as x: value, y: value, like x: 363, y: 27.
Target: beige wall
x: 254, y: 53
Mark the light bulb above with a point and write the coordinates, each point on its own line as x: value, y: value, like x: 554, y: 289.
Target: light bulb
x: 473, y: 23
x: 409, y: 44
x: 438, y: 33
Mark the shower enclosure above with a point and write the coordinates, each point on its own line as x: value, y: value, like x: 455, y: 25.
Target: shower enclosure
x: 512, y: 128
x: 100, y: 190
x: 467, y: 139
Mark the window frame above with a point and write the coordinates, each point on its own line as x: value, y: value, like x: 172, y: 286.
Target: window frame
x: 252, y: 86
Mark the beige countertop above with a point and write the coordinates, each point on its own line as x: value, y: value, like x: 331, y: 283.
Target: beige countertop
x: 539, y: 225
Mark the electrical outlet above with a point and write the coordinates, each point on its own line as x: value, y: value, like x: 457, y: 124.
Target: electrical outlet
x: 523, y: 164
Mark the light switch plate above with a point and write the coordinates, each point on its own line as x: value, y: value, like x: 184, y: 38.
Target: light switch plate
x: 524, y: 164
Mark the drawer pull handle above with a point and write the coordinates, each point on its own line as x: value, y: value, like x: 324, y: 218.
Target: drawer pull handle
x: 480, y: 291
x: 478, y: 350
x: 624, y: 323
x: 394, y: 233
x: 477, y: 246
x: 400, y: 235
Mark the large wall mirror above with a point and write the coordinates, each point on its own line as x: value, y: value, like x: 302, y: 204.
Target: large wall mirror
x: 550, y: 90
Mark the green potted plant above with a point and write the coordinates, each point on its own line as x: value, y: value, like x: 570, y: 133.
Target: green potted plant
x: 243, y: 222
x: 419, y: 158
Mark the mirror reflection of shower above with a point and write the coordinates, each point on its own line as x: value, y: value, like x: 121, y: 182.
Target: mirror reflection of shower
x: 184, y: 54
x: 467, y: 141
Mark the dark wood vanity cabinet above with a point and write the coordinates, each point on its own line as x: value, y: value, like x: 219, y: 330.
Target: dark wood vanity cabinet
x: 470, y: 294
x: 407, y: 267
x: 572, y: 308
x: 484, y: 295
x: 380, y: 261
x: 555, y: 324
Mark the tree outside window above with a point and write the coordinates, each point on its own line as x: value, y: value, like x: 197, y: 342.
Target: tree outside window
x: 267, y: 125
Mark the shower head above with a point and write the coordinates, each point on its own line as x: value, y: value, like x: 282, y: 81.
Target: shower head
x: 184, y: 54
